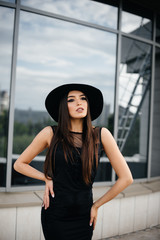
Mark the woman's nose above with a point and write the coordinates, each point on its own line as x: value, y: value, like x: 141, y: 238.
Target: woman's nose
x: 78, y: 101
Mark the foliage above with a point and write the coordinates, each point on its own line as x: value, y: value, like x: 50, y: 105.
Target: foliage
x: 23, y: 133
x: 3, y: 133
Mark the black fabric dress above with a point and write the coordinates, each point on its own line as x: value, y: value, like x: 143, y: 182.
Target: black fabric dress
x: 68, y: 215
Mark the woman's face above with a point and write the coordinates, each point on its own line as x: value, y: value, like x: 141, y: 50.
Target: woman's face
x: 77, y: 104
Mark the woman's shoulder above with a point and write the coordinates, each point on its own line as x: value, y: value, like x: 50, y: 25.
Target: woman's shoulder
x: 104, y: 132
x: 49, y: 129
x: 46, y: 132
x: 101, y: 129
x: 44, y: 136
x: 106, y: 136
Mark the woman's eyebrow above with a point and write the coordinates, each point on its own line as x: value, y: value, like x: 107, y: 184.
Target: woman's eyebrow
x: 75, y: 96
x: 70, y: 96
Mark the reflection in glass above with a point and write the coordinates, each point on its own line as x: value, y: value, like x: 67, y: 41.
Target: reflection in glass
x: 11, y: 1
x: 90, y: 11
x: 134, y: 95
x: 155, y: 163
x: 64, y: 53
x: 6, y: 33
x: 158, y: 28
x: 137, y: 21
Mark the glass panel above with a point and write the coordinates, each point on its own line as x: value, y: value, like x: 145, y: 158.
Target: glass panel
x: 90, y: 11
x: 158, y: 28
x: 155, y: 163
x: 64, y: 53
x: 6, y: 33
x: 11, y: 1
x: 136, y: 20
x: 134, y: 99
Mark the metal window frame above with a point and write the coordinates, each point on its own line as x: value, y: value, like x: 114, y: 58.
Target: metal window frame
x: 7, y: 4
x: 152, y: 99
x: 18, y: 8
x: 12, y: 96
x: 13, y: 69
x: 118, y: 59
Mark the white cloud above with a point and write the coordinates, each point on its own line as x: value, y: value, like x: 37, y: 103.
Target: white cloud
x: 57, y: 38
x: 87, y: 10
x: 28, y: 73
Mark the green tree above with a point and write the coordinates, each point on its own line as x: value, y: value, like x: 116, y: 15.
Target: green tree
x: 3, y: 133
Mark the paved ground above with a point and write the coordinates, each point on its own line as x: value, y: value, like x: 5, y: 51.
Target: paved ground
x: 147, y: 234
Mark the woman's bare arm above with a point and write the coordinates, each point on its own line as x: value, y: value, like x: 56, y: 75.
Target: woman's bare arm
x: 119, y: 165
x: 121, y: 168
x: 39, y: 143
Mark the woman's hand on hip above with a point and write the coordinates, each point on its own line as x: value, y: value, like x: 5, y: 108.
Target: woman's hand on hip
x: 48, y: 190
x: 93, y: 216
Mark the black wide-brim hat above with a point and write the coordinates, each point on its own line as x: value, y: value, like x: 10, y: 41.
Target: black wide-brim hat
x: 94, y: 95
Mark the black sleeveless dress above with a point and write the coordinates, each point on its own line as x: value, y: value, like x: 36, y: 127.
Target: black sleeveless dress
x: 68, y: 215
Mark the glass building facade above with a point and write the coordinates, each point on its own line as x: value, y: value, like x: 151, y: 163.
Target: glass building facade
x: 112, y: 45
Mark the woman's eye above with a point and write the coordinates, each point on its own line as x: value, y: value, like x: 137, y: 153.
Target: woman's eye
x: 84, y: 98
x: 70, y: 100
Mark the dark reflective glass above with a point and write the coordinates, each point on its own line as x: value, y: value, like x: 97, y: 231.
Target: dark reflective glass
x: 155, y: 163
x: 90, y: 11
x: 134, y: 102
x: 64, y: 53
x: 136, y: 20
x: 6, y: 37
x: 158, y: 28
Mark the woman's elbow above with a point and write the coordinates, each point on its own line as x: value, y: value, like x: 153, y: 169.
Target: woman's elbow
x: 129, y: 180
x: 16, y: 166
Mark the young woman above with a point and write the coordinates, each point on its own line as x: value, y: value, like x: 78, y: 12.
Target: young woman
x: 74, y: 149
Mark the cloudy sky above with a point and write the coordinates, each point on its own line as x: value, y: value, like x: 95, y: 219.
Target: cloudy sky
x: 52, y: 52
x: 87, y: 10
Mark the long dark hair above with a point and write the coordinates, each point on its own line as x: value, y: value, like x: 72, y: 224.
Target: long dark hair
x: 90, y: 141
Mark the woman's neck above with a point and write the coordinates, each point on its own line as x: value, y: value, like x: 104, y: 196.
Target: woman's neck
x: 76, y: 125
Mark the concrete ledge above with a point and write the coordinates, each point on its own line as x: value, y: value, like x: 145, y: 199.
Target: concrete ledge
x: 136, y: 190
x: 153, y: 186
x: 9, y: 200
x: 35, y: 198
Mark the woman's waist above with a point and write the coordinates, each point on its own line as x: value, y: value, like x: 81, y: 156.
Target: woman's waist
x: 68, y: 197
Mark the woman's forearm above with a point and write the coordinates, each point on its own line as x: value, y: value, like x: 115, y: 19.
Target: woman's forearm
x: 118, y: 187
x: 29, y: 171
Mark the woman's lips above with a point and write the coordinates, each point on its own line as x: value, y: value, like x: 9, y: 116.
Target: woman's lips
x: 79, y: 110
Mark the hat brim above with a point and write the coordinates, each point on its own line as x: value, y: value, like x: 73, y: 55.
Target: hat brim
x: 93, y: 94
